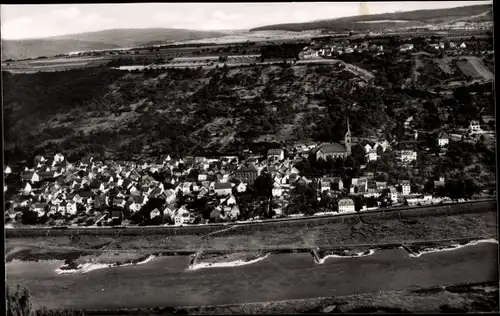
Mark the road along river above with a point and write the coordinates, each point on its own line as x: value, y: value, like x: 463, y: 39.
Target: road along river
x: 168, y: 281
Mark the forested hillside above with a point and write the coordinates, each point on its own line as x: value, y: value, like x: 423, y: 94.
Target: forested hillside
x: 117, y: 114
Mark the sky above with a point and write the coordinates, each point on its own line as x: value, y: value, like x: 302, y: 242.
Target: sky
x: 38, y: 21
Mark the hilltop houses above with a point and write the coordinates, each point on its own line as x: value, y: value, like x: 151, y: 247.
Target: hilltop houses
x: 474, y: 126
x: 276, y: 153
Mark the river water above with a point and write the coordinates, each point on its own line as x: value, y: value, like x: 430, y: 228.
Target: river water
x: 165, y: 281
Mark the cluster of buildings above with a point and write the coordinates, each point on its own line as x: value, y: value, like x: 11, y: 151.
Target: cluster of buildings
x: 320, y: 50
x: 90, y: 192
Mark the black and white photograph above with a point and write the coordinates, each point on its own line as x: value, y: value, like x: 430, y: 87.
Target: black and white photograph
x: 249, y: 158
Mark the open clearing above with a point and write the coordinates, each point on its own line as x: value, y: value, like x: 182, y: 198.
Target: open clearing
x: 473, y: 67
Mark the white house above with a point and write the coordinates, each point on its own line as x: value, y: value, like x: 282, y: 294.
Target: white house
x: 463, y: 45
x: 223, y: 188
x: 70, y: 207
x: 372, y: 155
x: 443, y: 140
x: 7, y: 170
x: 58, y: 158
x: 406, y: 47
x: 30, y: 176
x: 474, y: 126
x: 346, y: 206
x: 406, y: 188
x: 277, y: 191
x: 181, y: 216
x: 368, y: 148
x: 276, y: 153
x: 27, y: 188
x: 154, y: 213
x: 242, y: 187
x: 235, y: 212
x: 169, y: 212
x: 394, y: 194
x: 408, y: 155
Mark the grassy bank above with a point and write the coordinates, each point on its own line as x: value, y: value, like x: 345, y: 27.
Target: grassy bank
x: 349, y: 232
x: 471, y: 298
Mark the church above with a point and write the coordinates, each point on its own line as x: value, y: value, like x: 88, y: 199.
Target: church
x: 335, y: 150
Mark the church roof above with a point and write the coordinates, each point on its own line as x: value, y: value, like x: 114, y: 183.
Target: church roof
x: 333, y: 148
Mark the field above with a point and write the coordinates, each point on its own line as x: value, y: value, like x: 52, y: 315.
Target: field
x: 444, y: 64
x: 473, y: 67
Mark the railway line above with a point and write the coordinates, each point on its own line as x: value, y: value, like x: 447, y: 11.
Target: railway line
x: 407, y: 214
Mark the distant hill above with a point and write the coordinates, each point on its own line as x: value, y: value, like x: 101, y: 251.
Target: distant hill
x: 107, y: 39
x: 390, y: 19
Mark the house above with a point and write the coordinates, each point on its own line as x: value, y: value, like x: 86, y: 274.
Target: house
x: 215, y: 214
x: 372, y: 155
x: 119, y: 202
x: 58, y: 157
x: 30, y: 176
x: 439, y: 183
x: 463, y: 45
x: 394, y: 194
x: 7, y: 170
x: 234, y: 213
x: 443, y: 140
x: 325, y: 185
x: 181, y: 216
x: 242, y: 187
x: 368, y: 148
x: 222, y: 188
x: 337, y: 184
x: 308, y: 53
x: 346, y: 206
x: 154, y: 213
x: 488, y: 118
x: 405, y: 186
x: 406, y: 47
x: 229, y: 201
x: 39, y: 159
x: 202, y: 176
x: 381, y: 185
x: 474, y: 126
x: 186, y: 187
x: 277, y: 191
x: 27, y: 188
x: 39, y: 208
x: 137, y: 203
x: 276, y: 153
x: 408, y: 155
x: 70, y: 207
x: 247, y: 174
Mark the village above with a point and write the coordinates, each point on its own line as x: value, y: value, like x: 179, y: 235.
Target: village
x: 195, y: 190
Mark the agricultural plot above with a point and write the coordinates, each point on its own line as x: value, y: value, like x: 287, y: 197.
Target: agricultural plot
x: 474, y: 68
x: 444, y: 65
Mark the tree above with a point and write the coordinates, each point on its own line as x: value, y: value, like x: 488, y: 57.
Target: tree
x: 263, y: 185
x: 358, y: 154
x: 28, y: 217
x: 18, y: 303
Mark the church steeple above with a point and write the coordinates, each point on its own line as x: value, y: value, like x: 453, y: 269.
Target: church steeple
x: 347, y: 138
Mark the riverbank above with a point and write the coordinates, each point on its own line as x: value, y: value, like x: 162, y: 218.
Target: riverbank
x: 474, y: 298
x: 322, y: 234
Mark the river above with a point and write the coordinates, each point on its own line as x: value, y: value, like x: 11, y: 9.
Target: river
x: 165, y: 281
